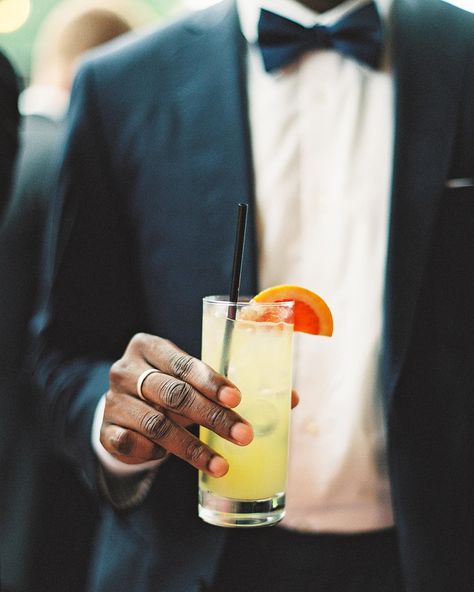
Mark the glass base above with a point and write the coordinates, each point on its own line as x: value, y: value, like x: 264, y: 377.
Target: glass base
x: 236, y: 513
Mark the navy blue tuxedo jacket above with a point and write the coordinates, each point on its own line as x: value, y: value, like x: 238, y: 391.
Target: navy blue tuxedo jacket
x: 157, y: 156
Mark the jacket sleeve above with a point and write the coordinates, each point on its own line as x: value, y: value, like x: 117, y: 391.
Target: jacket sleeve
x: 89, y: 306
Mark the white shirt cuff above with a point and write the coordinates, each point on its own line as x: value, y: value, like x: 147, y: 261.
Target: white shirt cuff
x: 109, y: 462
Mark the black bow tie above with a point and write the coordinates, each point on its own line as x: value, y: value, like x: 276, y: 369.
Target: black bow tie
x: 358, y: 35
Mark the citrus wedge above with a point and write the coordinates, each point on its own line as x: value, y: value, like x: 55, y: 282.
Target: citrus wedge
x: 311, y: 313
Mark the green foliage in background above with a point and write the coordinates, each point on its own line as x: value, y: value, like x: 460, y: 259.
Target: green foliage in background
x: 18, y: 44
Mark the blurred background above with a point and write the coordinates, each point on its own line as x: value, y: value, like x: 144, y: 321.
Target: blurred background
x: 20, y: 21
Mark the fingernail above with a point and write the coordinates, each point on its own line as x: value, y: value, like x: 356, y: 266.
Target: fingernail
x: 218, y: 466
x: 160, y: 452
x: 241, y: 433
x: 229, y: 396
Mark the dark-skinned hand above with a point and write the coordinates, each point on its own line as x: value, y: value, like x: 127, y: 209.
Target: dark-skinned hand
x: 183, y: 392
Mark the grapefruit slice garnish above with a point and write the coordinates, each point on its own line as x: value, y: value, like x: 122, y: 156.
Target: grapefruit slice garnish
x: 310, y: 313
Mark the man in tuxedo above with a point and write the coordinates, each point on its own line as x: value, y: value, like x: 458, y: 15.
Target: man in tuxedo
x: 9, y: 120
x: 348, y: 127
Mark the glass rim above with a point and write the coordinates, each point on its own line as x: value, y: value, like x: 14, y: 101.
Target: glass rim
x: 244, y: 301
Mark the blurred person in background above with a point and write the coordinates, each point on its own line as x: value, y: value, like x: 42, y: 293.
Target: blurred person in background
x: 9, y: 121
x: 72, y: 29
x: 349, y: 127
x: 46, y: 516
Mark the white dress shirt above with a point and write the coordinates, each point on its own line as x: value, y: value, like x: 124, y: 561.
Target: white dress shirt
x: 322, y: 141
x: 48, y: 101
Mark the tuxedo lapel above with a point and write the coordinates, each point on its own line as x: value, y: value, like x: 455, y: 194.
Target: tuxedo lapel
x: 214, y: 106
x: 428, y: 76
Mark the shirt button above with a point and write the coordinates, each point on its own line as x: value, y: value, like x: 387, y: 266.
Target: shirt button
x: 312, y: 428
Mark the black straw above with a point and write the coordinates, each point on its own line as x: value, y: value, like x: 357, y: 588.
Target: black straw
x: 238, y: 253
x: 234, y: 286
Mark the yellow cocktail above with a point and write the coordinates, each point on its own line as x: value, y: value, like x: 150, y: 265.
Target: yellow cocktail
x: 256, y: 351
